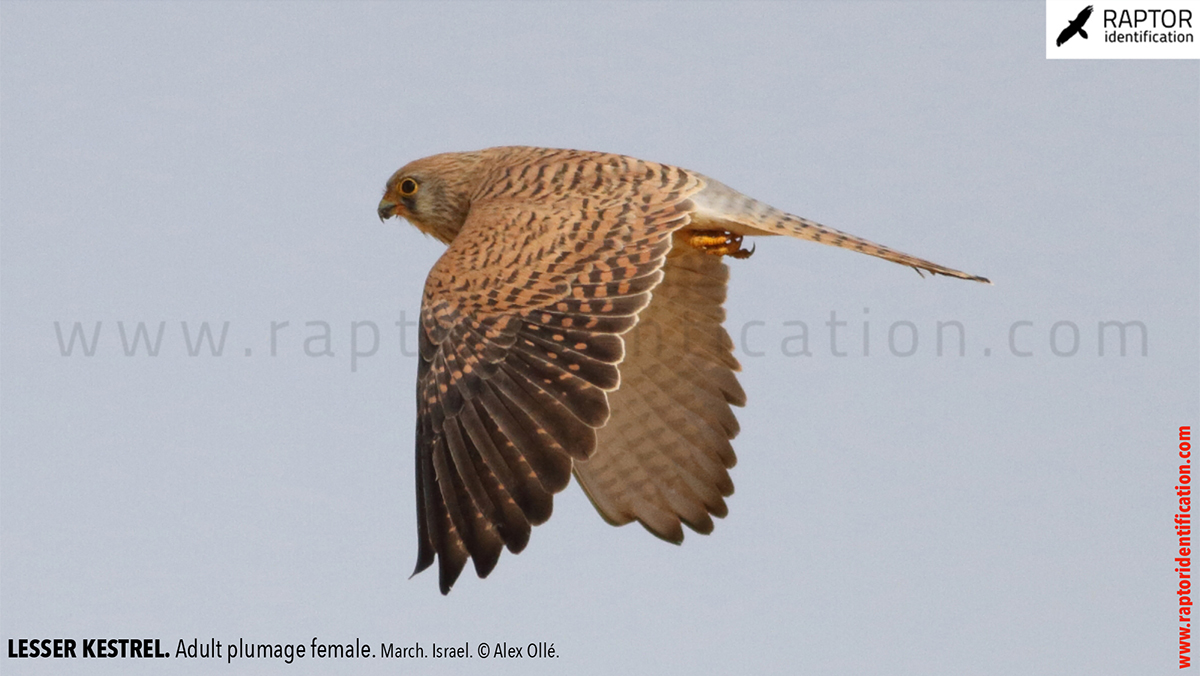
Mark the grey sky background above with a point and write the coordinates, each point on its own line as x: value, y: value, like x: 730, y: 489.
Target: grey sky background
x: 986, y: 513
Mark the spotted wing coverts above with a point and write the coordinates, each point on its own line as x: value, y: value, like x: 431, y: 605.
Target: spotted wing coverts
x: 520, y: 340
x: 574, y: 324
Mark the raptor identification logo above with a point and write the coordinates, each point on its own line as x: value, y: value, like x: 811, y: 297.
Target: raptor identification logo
x: 1123, y: 29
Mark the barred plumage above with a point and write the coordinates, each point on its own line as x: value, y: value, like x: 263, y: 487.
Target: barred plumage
x: 574, y: 324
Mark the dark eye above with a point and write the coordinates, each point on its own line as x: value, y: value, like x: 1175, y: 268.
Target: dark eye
x: 408, y: 187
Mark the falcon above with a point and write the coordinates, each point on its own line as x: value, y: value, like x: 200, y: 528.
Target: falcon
x: 574, y: 326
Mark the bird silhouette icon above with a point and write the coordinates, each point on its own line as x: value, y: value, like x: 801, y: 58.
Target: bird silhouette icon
x: 1075, y: 26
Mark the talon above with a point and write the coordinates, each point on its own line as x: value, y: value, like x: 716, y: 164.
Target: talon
x: 718, y: 243
x: 742, y: 254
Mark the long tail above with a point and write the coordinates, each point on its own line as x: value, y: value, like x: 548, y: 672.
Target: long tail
x: 719, y: 207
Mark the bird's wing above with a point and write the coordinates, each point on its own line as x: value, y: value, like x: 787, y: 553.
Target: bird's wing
x: 520, y: 338
x: 663, y: 456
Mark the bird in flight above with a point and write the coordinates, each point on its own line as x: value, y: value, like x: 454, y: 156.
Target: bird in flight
x: 1075, y: 26
x: 573, y: 325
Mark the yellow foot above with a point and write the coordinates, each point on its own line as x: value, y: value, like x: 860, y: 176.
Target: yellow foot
x: 718, y: 243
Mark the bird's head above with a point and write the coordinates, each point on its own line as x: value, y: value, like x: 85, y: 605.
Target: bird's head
x: 433, y: 193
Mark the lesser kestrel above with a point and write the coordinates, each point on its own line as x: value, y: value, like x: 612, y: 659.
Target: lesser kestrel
x: 574, y: 325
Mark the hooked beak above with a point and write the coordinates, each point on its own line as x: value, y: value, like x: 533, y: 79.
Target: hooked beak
x: 387, y: 209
